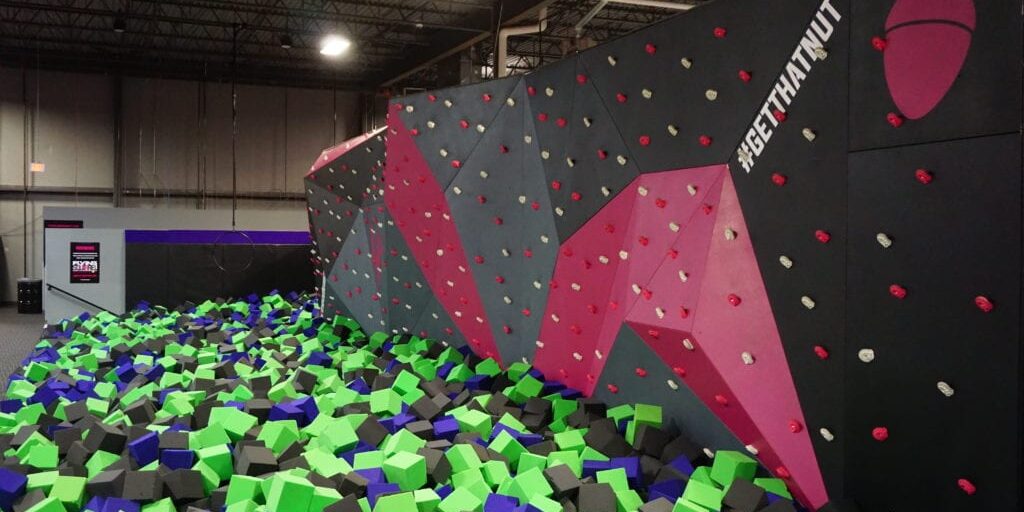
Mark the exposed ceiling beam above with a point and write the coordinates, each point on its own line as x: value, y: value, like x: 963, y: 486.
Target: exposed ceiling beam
x: 513, y: 11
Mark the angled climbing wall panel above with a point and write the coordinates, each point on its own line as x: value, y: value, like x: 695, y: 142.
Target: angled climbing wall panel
x: 795, y: 225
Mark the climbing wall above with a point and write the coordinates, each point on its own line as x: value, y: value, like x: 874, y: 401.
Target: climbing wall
x: 795, y: 225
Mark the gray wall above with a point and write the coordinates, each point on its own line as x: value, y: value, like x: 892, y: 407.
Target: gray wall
x: 176, y: 141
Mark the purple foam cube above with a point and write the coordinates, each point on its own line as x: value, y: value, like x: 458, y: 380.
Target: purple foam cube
x: 374, y: 491
x: 591, y: 467
x: 177, y: 459
x: 95, y: 504
x: 10, y: 406
x: 682, y: 464
x: 446, y: 428
x: 374, y: 475
x: 309, y: 409
x: 120, y: 505
x: 477, y: 382
x: 359, y: 386
x: 671, y: 490
x: 145, y: 449
x: 12, y: 487
x: 500, y: 503
x: 632, y: 467
x: 287, y: 411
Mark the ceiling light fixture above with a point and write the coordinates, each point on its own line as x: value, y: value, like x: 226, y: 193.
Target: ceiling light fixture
x: 334, y: 46
x: 120, y: 25
x: 286, y: 41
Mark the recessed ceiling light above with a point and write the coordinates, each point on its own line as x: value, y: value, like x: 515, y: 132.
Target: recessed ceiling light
x: 286, y: 41
x: 120, y: 25
x: 334, y: 46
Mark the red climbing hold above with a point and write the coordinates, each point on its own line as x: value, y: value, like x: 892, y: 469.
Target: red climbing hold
x: 415, y: 131
x: 456, y: 164
x: 498, y: 221
x: 486, y: 98
x: 983, y: 303
x: 722, y: 400
x: 525, y: 311
x: 822, y: 236
x: 431, y: 98
x: 481, y: 199
x: 650, y: 49
x: 561, y: 122
x: 575, y: 196
x: 557, y: 185
x: 535, y: 205
x: 821, y: 352
x: 782, y: 472
x: 680, y: 371
x: 660, y: 203
x: 503, y: 149
x: 744, y: 75
x: 620, y: 97
x: 640, y: 372
x: 719, y: 32
x: 734, y: 299
x: 542, y: 117
x: 879, y: 43
x: 880, y: 434
x: 499, y: 279
x: 924, y: 176
x: 531, y: 90
x: 613, y: 388
x: 778, y: 179
x: 464, y: 124
x: 897, y: 291
x: 966, y: 486
x: 704, y: 140
x: 779, y: 115
x: 602, y: 154
x: 795, y: 426
x: 581, y: 79
x: 894, y: 119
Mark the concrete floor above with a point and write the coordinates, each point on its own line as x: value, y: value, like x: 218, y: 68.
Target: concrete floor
x: 18, y: 334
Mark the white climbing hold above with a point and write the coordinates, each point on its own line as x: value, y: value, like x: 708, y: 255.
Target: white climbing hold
x: 785, y: 261
x: 672, y: 384
x: 621, y: 159
x: 752, y: 449
x: 642, y: 191
x: 747, y: 357
x: 647, y: 93
x: 730, y: 234
x: 685, y: 62
x: 672, y: 130
x: 945, y: 389
x: 807, y: 302
x: 611, y: 60
x: 688, y: 344
x: 409, y: 108
x: 827, y: 434
x: 883, y: 240
x: 866, y: 355
x: 549, y: 91
x: 809, y: 134
x: 711, y: 94
x: 448, y: 103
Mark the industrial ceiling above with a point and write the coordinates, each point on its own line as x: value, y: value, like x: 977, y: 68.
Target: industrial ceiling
x: 395, y: 43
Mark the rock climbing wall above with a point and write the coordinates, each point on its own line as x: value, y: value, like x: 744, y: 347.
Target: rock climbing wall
x: 795, y: 225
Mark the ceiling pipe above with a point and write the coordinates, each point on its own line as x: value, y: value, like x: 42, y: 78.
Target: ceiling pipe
x: 501, y: 60
x: 644, y: 3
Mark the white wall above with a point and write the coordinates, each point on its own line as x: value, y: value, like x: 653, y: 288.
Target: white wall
x: 173, y: 132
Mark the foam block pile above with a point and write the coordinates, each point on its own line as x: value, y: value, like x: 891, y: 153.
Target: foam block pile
x: 262, y: 404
